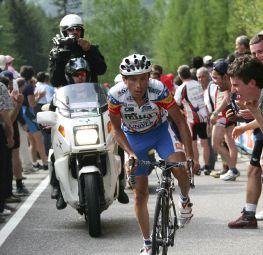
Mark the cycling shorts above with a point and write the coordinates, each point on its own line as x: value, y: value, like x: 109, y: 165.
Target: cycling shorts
x: 161, y: 138
x: 199, y: 129
x: 256, y: 153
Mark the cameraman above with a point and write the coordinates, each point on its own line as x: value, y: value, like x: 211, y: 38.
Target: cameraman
x: 71, y: 44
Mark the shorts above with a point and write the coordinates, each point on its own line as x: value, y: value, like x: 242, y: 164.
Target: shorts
x: 161, y: 138
x: 256, y: 153
x: 199, y: 129
x: 30, y: 119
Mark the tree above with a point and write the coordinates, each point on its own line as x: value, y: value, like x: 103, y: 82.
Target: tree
x: 120, y: 31
x: 68, y: 6
x: 31, y: 34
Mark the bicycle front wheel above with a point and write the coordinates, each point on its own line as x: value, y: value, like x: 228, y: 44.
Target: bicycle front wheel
x: 161, y: 225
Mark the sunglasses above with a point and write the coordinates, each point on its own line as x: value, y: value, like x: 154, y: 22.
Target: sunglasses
x: 72, y: 29
x: 80, y: 73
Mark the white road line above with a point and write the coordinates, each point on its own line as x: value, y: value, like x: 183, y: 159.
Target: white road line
x: 19, y: 215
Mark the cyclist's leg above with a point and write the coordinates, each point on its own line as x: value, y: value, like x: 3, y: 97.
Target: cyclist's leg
x: 141, y: 195
x: 141, y: 143
x: 171, y: 149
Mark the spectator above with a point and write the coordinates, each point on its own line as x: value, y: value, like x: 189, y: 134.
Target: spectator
x: 28, y: 108
x: 242, y: 45
x: 246, y: 79
x: 222, y: 125
x: 190, y: 95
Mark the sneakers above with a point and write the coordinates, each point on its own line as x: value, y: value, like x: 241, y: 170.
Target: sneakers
x: 5, y: 212
x: 259, y: 215
x: 229, y: 176
x: 198, y: 172
x: 22, y: 190
x: 215, y: 174
x: 185, y: 213
x: 13, y: 199
x: 207, y: 171
x: 44, y: 167
x: 246, y: 220
x: 36, y: 166
x: 146, y: 250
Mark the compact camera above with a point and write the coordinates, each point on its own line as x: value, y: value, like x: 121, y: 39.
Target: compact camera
x: 233, y: 106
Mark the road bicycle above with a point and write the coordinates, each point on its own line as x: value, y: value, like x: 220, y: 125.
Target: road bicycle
x: 165, y: 221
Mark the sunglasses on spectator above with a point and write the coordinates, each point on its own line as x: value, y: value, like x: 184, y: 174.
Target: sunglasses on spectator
x: 80, y: 73
x: 72, y: 29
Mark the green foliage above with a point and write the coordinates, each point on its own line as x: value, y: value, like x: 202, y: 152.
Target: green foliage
x: 120, y: 31
x: 170, y: 32
x: 30, y: 34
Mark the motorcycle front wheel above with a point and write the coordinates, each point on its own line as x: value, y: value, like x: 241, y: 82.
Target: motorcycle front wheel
x: 92, y: 204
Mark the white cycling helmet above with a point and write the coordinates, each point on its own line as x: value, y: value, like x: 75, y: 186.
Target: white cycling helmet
x: 71, y: 20
x: 135, y: 64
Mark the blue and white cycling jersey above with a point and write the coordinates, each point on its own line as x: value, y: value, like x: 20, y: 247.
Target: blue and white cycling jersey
x: 141, y: 119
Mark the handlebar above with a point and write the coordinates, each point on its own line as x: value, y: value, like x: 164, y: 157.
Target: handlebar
x: 163, y: 165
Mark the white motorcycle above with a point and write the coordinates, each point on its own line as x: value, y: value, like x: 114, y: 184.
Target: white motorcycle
x: 87, y: 163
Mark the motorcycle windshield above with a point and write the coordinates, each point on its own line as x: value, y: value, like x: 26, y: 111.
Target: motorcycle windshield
x: 80, y: 100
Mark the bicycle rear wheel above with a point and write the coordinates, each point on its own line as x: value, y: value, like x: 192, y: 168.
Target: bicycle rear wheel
x: 160, y: 234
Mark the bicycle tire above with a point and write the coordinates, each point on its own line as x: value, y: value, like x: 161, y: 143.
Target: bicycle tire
x: 160, y: 225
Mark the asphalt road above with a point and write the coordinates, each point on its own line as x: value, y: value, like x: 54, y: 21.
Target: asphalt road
x: 45, y: 230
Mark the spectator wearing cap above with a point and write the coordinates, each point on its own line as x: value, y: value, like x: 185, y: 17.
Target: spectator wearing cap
x: 223, y: 127
x: 9, y: 63
x: 10, y: 77
x: 242, y: 45
x: 3, y: 64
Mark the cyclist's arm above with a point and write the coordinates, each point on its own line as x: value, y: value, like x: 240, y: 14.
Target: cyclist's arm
x: 185, y: 134
x: 118, y: 134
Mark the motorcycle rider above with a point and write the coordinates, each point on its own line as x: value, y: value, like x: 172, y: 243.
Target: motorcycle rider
x: 71, y: 44
x: 77, y: 70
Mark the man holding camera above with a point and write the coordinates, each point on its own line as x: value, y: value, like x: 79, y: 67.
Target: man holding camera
x: 71, y: 44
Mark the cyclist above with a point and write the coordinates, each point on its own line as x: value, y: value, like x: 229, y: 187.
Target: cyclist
x: 137, y: 111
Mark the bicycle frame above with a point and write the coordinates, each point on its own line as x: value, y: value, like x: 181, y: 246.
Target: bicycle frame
x: 165, y: 218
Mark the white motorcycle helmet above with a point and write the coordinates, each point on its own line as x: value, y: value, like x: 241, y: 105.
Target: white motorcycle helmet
x: 71, y: 20
x: 135, y: 64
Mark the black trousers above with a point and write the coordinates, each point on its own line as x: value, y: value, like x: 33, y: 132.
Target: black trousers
x: 6, y: 172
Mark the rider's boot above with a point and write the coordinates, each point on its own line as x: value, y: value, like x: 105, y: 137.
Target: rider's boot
x: 54, y: 192
x: 61, y: 204
x: 123, y: 197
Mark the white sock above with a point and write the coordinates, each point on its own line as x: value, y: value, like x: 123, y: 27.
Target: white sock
x: 250, y: 207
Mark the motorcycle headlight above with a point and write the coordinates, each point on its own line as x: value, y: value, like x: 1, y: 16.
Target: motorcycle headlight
x: 86, y: 135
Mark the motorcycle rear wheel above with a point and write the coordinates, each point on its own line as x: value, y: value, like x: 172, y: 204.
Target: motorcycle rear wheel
x: 92, y: 202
